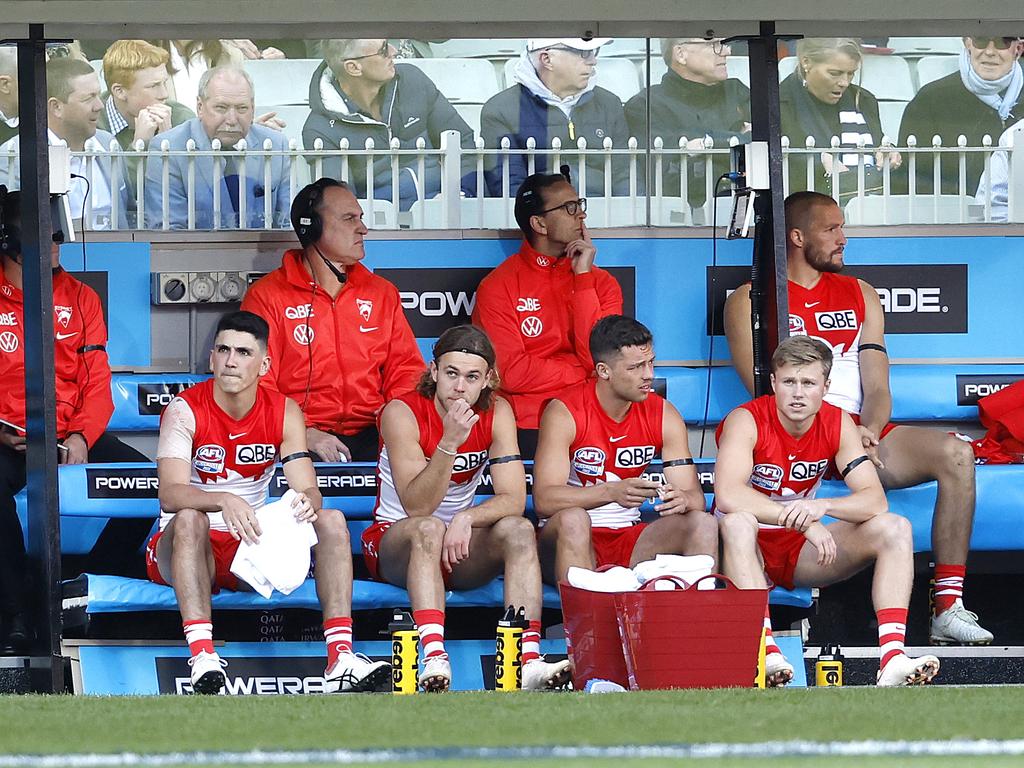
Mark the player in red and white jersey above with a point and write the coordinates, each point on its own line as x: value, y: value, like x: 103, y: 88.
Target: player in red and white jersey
x: 596, y: 441
x: 427, y: 532
x: 846, y: 314
x: 772, y: 454
x: 219, y: 442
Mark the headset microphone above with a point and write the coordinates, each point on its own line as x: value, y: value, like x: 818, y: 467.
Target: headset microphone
x: 342, y: 277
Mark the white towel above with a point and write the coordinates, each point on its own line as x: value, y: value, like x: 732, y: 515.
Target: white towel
x: 617, y: 579
x: 689, y: 568
x: 281, y: 558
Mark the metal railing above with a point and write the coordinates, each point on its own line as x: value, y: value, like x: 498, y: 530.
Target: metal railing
x: 181, y: 189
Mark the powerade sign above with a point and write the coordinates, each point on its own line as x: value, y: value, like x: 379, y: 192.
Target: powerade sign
x: 127, y: 483
x: 971, y: 388
x: 334, y: 481
x: 434, y: 300
x: 251, y: 676
x: 153, y: 398
x: 916, y: 298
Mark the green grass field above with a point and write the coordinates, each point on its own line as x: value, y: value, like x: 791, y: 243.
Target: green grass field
x: 82, y: 724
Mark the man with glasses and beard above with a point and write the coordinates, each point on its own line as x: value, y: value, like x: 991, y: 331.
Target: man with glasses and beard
x: 554, y: 95
x: 982, y: 98
x: 846, y: 314
x: 539, y: 305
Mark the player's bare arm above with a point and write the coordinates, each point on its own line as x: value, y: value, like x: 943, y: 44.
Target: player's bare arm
x: 551, y: 493
x: 682, y: 492
x: 867, y: 498
x: 176, y: 493
x: 420, y: 484
x: 738, y: 334
x: 874, y: 371
x: 299, y: 471
x: 733, y: 467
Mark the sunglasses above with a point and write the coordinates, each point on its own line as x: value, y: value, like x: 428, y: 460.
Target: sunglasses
x: 1001, y: 43
x: 585, y: 55
x: 384, y: 51
x: 718, y: 47
x: 572, y: 207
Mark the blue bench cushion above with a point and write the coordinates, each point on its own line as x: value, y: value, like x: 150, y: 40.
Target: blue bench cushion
x: 139, y: 398
x: 116, y: 594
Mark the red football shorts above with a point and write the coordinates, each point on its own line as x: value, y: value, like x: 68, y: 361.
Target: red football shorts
x: 614, y: 546
x: 371, y: 539
x: 780, y: 548
x: 224, y: 548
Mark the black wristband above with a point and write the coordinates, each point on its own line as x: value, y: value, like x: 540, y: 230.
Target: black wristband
x: 505, y: 459
x: 91, y: 348
x: 877, y: 347
x: 297, y: 455
x: 854, y: 464
x: 677, y: 463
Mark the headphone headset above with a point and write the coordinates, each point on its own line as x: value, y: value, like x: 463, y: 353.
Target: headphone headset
x: 10, y: 238
x: 305, y: 218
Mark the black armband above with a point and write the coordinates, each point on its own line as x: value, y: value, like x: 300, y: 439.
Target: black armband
x: 91, y: 348
x: 854, y: 464
x: 677, y: 463
x: 877, y: 347
x: 297, y: 455
x: 506, y: 459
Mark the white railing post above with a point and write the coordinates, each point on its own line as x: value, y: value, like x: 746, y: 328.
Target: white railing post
x: 140, y: 184
x: 116, y: 175
x: 1015, y: 177
x: 395, y: 173
x: 218, y: 178
x: 165, y: 184
x: 268, y: 183
x: 451, y: 179
x: 243, y: 198
x: 190, y: 181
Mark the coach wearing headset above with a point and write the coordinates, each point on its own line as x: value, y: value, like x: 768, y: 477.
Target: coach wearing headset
x: 84, y: 406
x: 340, y: 345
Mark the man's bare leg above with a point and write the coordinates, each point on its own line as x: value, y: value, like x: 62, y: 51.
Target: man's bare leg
x: 564, y: 542
x: 692, y: 533
x: 333, y: 568
x: 185, y: 559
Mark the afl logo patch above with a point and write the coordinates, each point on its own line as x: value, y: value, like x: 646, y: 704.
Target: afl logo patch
x: 589, y: 461
x: 209, y: 459
x: 766, y: 476
x: 796, y: 326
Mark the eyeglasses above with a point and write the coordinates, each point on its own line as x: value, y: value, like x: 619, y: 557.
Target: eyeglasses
x: 1001, y: 43
x: 718, y: 47
x: 384, y: 52
x: 572, y: 207
x: 585, y: 55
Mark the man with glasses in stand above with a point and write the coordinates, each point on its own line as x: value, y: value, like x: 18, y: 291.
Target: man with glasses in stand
x: 539, y: 305
x: 555, y: 95
x: 982, y: 98
x: 359, y: 93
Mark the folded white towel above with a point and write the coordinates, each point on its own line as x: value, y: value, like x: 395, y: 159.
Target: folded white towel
x: 617, y: 579
x: 689, y: 568
x: 281, y: 559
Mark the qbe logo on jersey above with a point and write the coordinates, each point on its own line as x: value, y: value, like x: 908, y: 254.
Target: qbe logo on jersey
x: 807, y: 470
x: 634, y: 456
x: 766, y: 476
x: 468, y: 462
x: 255, y: 453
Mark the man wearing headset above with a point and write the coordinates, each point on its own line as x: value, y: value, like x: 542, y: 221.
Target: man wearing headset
x: 84, y: 404
x: 341, y: 344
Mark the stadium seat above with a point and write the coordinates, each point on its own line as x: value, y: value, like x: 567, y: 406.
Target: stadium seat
x: 931, y: 68
x: 897, y: 209
x: 738, y: 67
x: 97, y: 65
x: 478, y: 49
x: 923, y: 46
x: 634, y: 48
x: 281, y: 81
x: 462, y: 81
x: 886, y: 77
x: 471, y: 114
x: 294, y: 116
x: 890, y: 113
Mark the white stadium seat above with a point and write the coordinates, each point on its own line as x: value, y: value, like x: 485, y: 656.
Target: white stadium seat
x: 462, y: 81
x: 886, y: 77
x: 891, y: 112
x: 930, y: 68
x: 471, y: 114
x: 281, y: 81
x: 923, y: 46
x: 478, y: 49
x: 294, y: 116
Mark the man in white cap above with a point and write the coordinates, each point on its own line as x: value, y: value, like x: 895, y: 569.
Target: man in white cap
x: 554, y: 95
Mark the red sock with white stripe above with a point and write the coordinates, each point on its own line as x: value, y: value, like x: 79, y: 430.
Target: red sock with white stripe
x: 892, y: 630
x: 769, y: 641
x: 949, y: 585
x: 430, y: 625
x: 531, y: 642
x: 338, y: 637
x: 199, y: 636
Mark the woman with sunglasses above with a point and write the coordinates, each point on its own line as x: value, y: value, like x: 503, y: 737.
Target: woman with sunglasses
x: 820, y: 100
x: 982, y: 98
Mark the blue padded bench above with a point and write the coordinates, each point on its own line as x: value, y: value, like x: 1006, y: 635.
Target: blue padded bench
x: 139, y: 398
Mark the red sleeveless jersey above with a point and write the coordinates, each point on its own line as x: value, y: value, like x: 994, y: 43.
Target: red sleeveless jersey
x: 833, y: 311
x: 607, y: 450
x: 787, y: 468
x: 237, y: 455
x: 467, y: 468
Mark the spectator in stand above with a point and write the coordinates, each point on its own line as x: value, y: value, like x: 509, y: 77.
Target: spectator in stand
x: 137, y: 105
x: 819, y: 99
x: 8, y: 92
x: 339, y: 339
x: 555, y: 96
x: 73, y: 109
x: 359, y: 93
x: 981, y: 99
x: 224, y: 110
x: 189, y: 59
x: 539, y: 305
x: 84, y: 406
x: 999, y: 186
x: 696, y: 99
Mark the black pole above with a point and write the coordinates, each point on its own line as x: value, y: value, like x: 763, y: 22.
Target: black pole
x: 40, y: 395
x: 768, y: 285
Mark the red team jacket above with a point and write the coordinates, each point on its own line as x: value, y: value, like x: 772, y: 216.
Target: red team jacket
x: 363, y: 350
x: 787, y: 468
x: 84, y: 402
x: 539, y: 315
x: 467, y: 469
x: 607, y: 450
